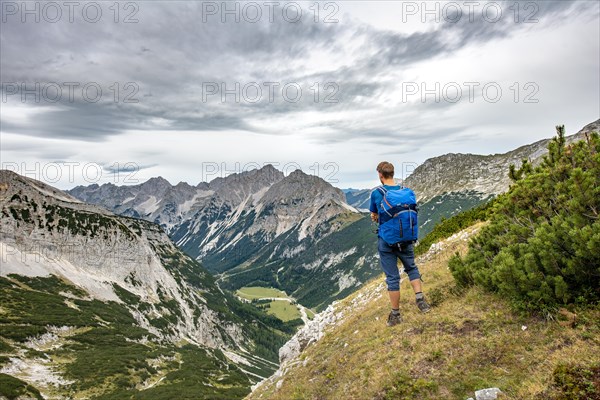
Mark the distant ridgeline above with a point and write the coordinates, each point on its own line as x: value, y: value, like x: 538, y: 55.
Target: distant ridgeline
x: 259, y: 228
x: 541, y: 248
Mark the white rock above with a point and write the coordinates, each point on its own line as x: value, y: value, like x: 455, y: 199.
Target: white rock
x: 487, y: 394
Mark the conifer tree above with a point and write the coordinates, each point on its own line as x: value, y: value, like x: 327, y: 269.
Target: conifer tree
x: 542, y: 245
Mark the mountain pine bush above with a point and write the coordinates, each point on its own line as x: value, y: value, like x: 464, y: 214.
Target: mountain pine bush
x: 447, y: 227
x: 541, y: 248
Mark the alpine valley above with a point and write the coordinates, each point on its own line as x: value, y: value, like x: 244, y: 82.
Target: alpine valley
x: 258, y: 228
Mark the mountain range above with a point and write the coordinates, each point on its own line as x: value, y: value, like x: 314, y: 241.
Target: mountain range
x: 294, y: 232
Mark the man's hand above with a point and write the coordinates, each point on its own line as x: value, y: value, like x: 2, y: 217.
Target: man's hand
x: 374, y: 217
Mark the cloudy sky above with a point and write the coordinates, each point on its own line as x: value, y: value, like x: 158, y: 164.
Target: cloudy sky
x: 194, y: 90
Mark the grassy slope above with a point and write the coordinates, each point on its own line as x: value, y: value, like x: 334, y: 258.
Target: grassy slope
x: 469, y: 341
x: 103, y: 352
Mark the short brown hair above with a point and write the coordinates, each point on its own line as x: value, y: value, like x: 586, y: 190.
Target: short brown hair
x: 386, y: 169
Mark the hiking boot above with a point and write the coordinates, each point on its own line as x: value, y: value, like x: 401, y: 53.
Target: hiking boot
x: 394, y: 319
x: 423, y: 306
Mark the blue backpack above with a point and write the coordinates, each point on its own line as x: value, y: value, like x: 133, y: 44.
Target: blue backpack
x: 398, y: 216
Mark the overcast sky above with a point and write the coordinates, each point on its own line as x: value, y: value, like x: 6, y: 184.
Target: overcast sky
x: 330, y: 87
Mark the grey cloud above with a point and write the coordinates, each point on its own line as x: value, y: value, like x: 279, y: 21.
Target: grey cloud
x: 170, y: 52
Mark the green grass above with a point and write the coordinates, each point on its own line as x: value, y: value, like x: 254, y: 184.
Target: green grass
x: 575, y: 382
x: 283, y: 310
x: 193, y: 375
x: 256, y: 292
x: 13, y: 388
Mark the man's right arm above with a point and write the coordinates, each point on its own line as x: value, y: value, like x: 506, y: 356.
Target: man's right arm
x: 373, y: 209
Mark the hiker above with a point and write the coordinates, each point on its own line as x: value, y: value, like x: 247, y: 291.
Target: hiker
x: 391, y: 201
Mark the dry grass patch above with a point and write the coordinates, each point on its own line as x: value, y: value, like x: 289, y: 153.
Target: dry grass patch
x: 469, y: 341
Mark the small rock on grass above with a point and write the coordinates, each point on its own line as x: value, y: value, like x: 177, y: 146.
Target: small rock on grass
x: 487, y: 394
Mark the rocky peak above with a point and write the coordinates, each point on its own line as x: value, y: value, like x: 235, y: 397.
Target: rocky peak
x: 183, y: 185
x: 156, y: 186
x: 591, y: 127
x: 485, y: 174
x: 203, y: 186
x: 299, y: 185
x: 264, y: 176
x: 158, y: 180
x: 238, y: 188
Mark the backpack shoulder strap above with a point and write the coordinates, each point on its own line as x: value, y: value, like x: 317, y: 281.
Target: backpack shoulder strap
x: 384, y: 191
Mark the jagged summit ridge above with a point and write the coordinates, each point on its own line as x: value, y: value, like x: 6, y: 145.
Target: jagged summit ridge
x: 276, y: 202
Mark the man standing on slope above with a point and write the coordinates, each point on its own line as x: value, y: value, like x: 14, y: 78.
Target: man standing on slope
x: 390, y: 253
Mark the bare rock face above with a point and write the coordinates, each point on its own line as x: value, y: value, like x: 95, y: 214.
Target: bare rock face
x: 487, y: 394
x: 300, y: 199
x: 308, y: 334
x: 44, y: 232
x: 314, y: 330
